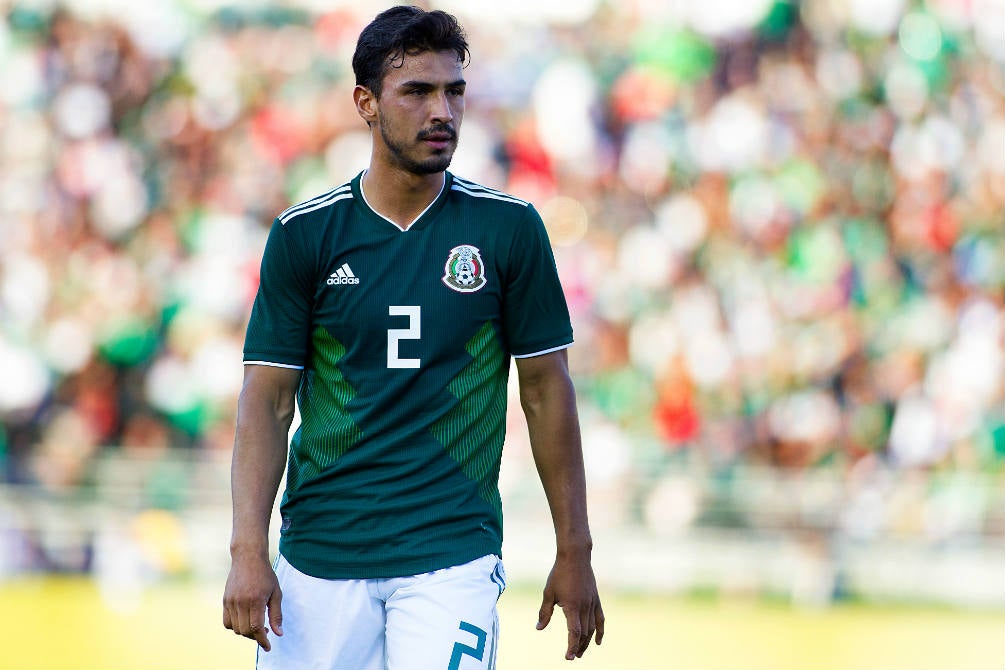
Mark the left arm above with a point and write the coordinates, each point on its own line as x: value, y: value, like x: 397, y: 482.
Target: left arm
x: 549, y: 403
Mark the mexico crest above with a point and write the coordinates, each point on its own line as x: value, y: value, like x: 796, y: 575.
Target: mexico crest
x: 464, y: 270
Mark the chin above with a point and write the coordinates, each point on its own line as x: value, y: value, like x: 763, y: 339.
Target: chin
x: 432, y: 165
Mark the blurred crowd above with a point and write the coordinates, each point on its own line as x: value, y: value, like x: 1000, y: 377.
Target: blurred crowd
x: 779, y: 224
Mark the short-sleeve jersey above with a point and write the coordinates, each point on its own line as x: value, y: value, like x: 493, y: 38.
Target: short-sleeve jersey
x: 405, y: 339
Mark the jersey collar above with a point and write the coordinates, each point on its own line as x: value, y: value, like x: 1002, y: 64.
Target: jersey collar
x: 420, y: 221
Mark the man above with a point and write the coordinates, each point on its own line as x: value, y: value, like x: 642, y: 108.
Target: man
x: 390, y: 307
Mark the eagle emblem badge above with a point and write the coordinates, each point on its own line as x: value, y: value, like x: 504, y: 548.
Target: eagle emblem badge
x: 464, y: 270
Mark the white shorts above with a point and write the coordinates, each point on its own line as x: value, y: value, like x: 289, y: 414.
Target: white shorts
x: 441, y: 620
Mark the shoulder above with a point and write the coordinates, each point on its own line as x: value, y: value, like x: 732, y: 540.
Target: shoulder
x: 318, y: 207
x: 477, y: 194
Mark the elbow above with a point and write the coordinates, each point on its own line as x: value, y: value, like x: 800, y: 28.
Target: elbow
x: 530, y: 406
x: 537, y: 398
x: 272, y: 402
x: 533, y: 394
x: 545, y: 381
x: 284, y: 407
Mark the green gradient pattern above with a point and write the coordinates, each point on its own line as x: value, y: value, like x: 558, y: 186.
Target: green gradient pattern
x: 327, y: 430
x: 473, y: 431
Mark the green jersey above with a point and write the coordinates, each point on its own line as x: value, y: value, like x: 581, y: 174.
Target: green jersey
x: 405, y: 339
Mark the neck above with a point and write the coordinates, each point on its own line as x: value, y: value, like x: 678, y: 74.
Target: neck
x: 399, y: 195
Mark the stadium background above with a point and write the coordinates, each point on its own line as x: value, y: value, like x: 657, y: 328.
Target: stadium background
x: 780, y: 229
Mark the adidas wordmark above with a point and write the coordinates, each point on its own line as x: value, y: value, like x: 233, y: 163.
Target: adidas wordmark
x: 343, y: 275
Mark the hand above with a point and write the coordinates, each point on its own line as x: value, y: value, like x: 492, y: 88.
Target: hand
x: 573, y: 587
x: 252, y: 587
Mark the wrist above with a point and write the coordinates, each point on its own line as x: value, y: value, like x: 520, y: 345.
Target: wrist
x: 243, y: 548
x: 575, y: 546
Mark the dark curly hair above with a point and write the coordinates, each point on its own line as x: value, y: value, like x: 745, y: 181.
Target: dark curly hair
x: 401, y: 31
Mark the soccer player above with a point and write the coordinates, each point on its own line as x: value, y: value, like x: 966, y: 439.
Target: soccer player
x: 389, y: 308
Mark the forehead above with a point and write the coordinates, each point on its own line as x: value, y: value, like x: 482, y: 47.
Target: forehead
x: 435, y: 67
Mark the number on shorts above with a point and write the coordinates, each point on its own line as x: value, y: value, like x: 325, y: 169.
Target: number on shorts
x: 464, y: 650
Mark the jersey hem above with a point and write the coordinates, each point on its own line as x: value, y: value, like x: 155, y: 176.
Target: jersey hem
x: 373, y: 570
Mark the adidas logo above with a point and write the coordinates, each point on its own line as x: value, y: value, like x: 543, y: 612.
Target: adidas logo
x: 342, y: 276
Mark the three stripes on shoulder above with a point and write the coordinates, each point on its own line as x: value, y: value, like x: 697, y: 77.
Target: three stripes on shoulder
x: 344, y: 192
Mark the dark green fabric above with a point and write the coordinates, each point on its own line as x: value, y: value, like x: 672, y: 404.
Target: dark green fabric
x: 394, y: 470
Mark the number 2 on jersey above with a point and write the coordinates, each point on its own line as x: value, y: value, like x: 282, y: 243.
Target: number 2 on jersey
x: 395, y: 335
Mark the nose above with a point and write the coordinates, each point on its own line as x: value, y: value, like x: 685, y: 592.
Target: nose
x: 440, y: 112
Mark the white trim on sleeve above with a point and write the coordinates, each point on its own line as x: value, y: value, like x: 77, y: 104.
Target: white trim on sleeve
x: 542, y: 353
x: 275, y: 365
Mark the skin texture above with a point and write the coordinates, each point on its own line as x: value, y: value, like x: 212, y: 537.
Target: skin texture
x: 549, y: 403
x: 264, y: 415
x: 414, y: 128
x: 422, y: 100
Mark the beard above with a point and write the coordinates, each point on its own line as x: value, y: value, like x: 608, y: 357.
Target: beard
x: 400, y: 151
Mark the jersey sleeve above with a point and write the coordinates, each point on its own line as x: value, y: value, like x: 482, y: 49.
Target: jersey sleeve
x: 280, y: 325
x: 535, y: 315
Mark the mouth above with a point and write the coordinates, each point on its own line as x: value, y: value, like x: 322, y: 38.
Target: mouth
x: 438, y: 138
x: 438, y: 145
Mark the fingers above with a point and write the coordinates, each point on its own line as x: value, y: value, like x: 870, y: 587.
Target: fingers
x: 573, y: 648
x: 276, y: 611
x: 547, y: 609
x: 589, y: 626
x: 246, y: 617
x: 599, y: 616
x: 575, y: 626
x: 250, y: 623
x: 571, y: 586
x: 583, y: 622
x: 256, y: 627
x: 242, y: 621
x: 260, y: 633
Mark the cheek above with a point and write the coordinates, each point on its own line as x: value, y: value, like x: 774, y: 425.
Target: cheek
x: 457, y: 111
x: 399, y: 111
x: 393, y: 119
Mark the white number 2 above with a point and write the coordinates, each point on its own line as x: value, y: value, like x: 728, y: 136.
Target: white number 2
x: 413, y: 332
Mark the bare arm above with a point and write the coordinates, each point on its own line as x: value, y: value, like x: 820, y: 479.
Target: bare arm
x: 549, y: 403
x: 264, y: 414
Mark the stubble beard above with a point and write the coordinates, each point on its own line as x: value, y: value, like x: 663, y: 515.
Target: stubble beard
x: 399, y: 155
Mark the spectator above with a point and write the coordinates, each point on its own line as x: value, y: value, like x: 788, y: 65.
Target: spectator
x: 779, y: 225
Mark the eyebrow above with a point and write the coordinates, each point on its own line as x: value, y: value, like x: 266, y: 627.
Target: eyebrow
x: 417, y: 83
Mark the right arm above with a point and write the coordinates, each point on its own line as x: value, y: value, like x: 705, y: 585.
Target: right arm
x: 264, y: 414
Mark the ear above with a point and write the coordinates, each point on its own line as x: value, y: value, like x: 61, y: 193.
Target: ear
x: 366, y: 103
